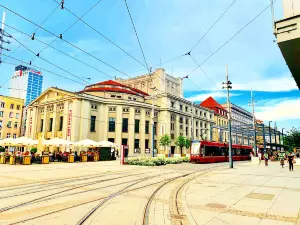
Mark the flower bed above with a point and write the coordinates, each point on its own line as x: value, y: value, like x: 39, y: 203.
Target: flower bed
x: 158, y: 161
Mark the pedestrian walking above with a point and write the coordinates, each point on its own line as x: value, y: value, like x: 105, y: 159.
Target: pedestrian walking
x: 266, y: 158
x: 259, y: 157
x: 291, y: 161
x: 281, y: 157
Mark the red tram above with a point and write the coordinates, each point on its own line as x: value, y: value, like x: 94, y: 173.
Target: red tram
x: 213, y: 152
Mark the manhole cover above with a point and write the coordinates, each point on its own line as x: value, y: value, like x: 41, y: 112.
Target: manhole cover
x: 216, y: 205
x: 260, y: 196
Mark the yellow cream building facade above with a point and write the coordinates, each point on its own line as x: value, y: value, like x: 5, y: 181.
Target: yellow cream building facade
x: 120, y: 113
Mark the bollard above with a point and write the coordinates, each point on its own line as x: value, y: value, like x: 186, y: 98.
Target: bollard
x: 83, y: 158
x: 45, y: 159
x: 12, y: 160
x: 26, y: 160
x: 71, y: 158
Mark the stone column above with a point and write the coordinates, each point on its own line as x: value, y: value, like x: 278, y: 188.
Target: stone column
x: 54, y: 125
x: 118, y: 130
x: 65, y: 120
x: 131, y: 134
x: 85, y: 119
x: 142, y: 131
x: 103, y: 118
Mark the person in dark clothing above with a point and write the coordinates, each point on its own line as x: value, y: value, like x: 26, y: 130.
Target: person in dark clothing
x: 291, y: 159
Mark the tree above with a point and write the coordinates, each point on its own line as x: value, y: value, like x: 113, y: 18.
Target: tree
x: 292, y: 138
x: 180, y: 142
x: 165, y: 141
x: 183, y: 142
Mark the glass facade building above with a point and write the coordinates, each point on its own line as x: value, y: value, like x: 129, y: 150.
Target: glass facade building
x: 26, y: 84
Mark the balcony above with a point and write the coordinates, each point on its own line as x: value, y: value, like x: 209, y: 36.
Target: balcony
x: 58, y: 134
x: 287, y: 32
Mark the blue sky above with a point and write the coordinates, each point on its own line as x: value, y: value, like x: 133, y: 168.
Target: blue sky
x: 166, y: 29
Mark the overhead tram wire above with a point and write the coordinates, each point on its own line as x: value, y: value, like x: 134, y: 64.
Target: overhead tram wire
x: 73, y: 24
x: 11, y: 53
x: 101, y: 34
x: 47, y: 61
x: 66, y: 54
x: 137, y: 36
x: 43, y: 69
x: 69, y: 43
x: 230, y: 39
x: 212, y: 26
x: 200, y: 67
x: 203, y: 36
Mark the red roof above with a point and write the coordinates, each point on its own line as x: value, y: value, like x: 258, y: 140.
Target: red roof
x: 211, y: 103
x: 115, y: 87
x: 108, y: 82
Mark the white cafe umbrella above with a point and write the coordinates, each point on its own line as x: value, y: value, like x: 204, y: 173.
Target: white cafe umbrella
x: 87, y: 143
x: 107, y: 144
x: 24, y: 141
x: 57, y: 142
x: 8, y: 142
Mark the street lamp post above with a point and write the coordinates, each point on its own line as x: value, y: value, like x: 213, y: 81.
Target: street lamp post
x: 227, y: 85
x: 282, y: 135
x: 270, y: 136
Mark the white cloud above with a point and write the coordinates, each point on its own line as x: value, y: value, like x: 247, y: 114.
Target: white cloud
x: 216, y: 95
x: 285, y: 83
x: 283, y: 110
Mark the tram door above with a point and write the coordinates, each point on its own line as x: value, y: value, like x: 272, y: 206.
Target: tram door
x: 124, y: 154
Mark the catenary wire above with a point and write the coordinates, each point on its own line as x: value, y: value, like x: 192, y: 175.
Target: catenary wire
x: 69, y: 43
x: 66, y: 54
x: 51, y: 13
x: 50, y: 62
x: 73, y: 24
x: 136, y: 34
x: 101, y: 34
x: 230, y: 39
x: 43, y: 69
x: 212, y: 26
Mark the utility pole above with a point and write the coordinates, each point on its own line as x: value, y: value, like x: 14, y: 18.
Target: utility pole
x: 2, y: 35
x: 192, y: 134
x: 270, y: 135
x: 227, y: 85
x: 252, y: 103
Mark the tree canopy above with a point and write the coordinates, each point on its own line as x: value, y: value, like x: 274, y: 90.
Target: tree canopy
x: 183, y: 142
x: 165, y: 140
x: 292, y: 138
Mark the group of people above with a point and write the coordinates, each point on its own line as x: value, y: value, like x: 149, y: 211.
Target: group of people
x: 282, y: 156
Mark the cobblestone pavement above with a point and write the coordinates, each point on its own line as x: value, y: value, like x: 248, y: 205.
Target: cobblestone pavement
x: 108, y: 193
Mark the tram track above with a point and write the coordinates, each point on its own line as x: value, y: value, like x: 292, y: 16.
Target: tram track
x: 177, y: 210
x: 44, y: 198
x: 33, y: 191
x: 59, y: 180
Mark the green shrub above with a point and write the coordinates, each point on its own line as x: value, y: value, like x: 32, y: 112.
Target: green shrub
x: 34, y: 150
x: 2, y: 149
x: 158, y: 161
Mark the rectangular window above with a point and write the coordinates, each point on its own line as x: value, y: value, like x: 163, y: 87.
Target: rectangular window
x: 12, y: 106
x: 14, y: 136
x: 9, y: 124
x: 181, y: 107
x: 196, y: 132
x: 186, y: 109
x: 125, y: 125
x: 61, y: 121
x: 16, y: 125
x: 2, y: 104
x: 8, y: 135
x: 1, y: 124
x: 1, y: 113
x: 18, y: 107
x: 186, y: 131
x: 93, y: 124
x: 137, y: 126
x: 136, y: 143
x: 112, y: 124
x: 111, y: 140
x: 17, y: 115
x: 147, y: 127
x: 124, y: 141
x: 11, y: 115
x: 172, y: 136
x: 155, y: 128
x: 146, y: 143
x: 42, y: 125
x: 50, y: 124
